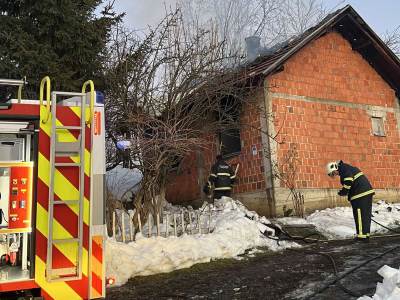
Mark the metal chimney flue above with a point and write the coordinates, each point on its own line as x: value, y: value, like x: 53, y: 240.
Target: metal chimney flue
x: 252, y: 47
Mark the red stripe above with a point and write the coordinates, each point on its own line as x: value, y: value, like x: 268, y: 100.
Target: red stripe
x: 71, y: 173
x: 18, y: 286
x: 44, y: 144
x: 97, y: 283
x: 22, y: 109
x: 68, y: 118
x: 97, y: 251
x: 63, y: 214
x: 61, y: 261
x: 45, y: 295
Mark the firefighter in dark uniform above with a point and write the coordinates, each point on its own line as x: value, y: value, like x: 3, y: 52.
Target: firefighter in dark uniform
x: 359, y: 192
x: 222, y: 178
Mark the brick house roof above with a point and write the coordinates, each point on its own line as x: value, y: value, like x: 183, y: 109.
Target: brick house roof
x: 352, y: 27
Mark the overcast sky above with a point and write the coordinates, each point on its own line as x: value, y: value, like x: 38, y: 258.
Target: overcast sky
x: 381, y: 15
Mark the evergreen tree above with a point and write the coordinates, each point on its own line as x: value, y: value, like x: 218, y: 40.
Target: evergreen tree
x: 64, y: 39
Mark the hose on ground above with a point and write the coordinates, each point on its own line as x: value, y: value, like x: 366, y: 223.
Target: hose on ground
x: 326, y: 286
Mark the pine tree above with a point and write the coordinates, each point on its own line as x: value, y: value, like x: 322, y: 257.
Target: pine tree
x: 64, y: 39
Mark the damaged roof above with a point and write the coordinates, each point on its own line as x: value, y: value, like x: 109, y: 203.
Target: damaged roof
x: 353, y: 28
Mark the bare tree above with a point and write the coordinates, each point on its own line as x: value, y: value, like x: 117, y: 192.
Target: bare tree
x: 166, y: 92
x: 392, y: 39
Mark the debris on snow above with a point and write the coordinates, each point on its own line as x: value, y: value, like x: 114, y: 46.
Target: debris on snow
x: 236, y: 230
x: 389, y: 289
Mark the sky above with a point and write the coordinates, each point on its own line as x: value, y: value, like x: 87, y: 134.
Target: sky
x: 381, y: 15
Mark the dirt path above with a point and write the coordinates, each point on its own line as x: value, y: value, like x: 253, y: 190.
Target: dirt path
x: 285, y: 275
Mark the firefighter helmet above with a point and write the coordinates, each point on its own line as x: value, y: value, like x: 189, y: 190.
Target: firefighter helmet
x: 331, y: 166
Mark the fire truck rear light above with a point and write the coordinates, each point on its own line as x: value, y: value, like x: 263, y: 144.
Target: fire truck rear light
x: 110, y: 281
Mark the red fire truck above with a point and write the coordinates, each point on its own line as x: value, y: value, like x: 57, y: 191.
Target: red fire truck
x: 52, y: 166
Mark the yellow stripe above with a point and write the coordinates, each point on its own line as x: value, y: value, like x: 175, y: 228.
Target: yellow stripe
x: 360, y: 231
x: 62, y: 187
x: 67, y: 136
x: 362, y: 194
x: 59, y: 232
x: 358, y: 175
x: 347, y: 187
x: 223, y: 174
x: 97, y: 267
x: 95, y: 294
x: 213, y: 175
x: 57, y: 290
x: 348, y: 179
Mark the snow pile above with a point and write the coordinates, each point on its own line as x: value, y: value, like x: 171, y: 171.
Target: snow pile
x: 121, y: 182
x: 389, y: 289
x: 236, y: 230
x: 339, y: 222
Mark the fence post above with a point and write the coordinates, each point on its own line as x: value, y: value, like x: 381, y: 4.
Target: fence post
x: 131, y: 227
x: 183, y: 221
x: 175, y: 231
x: 149, y: 224
x: 158, y: 223
x: 199, y: 221
x: 209, y: 219
x: 113, y: 225
x: 123, y: 225
x: 139, y: 223
x: 167, y: 225
x: 190, y: 222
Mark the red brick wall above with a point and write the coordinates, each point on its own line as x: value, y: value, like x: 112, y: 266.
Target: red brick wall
x: 183, y: 183
x: 250, y: 175
x: 329, y: 69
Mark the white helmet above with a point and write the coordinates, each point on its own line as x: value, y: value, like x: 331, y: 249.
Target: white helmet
x: 331, y: 166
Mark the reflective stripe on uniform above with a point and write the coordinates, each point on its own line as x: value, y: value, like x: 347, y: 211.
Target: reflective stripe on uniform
x: 347, y: 187
x: 213, y: 175
x: 360, y: 232
x: 233, y: 176
x: 362, y: 194
x: 358, y: 175
x: 348, y: 179
x: 225, y: 188
x: 223, y: 174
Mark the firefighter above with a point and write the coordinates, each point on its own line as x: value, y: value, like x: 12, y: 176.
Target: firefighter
x: 359, y: 192
x: 222, y: 177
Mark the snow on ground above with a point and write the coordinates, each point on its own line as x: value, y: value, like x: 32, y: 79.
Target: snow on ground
x: 389, y: 289
x: 339, y: 222
x: 233, y: 234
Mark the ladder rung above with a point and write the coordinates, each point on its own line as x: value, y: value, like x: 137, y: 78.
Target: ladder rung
x: 69, y: 127
x: 67, y: 164
x: 63, y: 271
x: 66, y: 202
x: 59, y: 93
x: 64, y: 241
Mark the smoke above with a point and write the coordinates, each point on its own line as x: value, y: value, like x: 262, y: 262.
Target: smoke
x: 140, y: 14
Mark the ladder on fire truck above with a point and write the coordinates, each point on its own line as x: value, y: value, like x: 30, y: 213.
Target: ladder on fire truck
x: 60, y: 149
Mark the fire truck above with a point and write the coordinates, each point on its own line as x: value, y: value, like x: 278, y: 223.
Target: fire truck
x: 52, y: 213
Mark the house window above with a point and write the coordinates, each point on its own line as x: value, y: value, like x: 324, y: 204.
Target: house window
x: 378, y: 126
x: 230, y: 141
x: 229, y: 132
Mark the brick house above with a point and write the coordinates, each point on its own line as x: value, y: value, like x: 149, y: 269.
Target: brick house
x: 332, y: 93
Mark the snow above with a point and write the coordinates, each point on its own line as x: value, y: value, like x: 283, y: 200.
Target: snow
x: 338, y: 222
x: 235, y: 231
x: 121, y: 181
x: 233, y: 234
x: 389, y: 289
